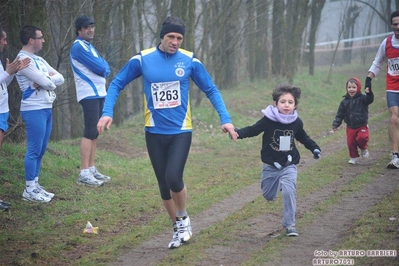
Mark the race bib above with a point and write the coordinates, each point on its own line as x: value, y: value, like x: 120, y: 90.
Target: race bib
x: 393, y: 66
x: 285, y: 143
x: 166, y: 94
x: 49, y: 96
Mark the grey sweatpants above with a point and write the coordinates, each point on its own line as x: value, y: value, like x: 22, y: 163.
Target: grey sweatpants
x: 273, y: 180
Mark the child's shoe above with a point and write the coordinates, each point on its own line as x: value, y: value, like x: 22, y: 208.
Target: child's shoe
x: 291, y: 231
x: 353, y: 160
x: 365, y: 153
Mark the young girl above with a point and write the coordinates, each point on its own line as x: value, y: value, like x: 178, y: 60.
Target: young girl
x: 354, y: 111
x: 280, y: 126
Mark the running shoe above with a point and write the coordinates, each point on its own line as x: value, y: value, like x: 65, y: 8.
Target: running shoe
x: 184, y: 230
x: 394, y: 163
x: 35, y: 196
x: 175, y: 243
x: 99, y: 176
x: 45, y: 193
x: 89, y: 180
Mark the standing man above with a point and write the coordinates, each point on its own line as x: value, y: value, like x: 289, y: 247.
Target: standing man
x: 90, y: 71
x: 389, y: 52
x: 37, y: 82
x: 166, y: 71
x: 6, y: 77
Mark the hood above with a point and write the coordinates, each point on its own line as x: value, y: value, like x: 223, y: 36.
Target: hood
x: 358, y: 83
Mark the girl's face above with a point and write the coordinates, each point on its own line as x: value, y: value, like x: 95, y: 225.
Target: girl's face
x: 351, y: 88
x: 286, y: 103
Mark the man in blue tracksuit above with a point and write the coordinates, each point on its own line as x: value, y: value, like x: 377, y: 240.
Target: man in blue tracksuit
x: 37, y: 82
x: 166, y: 71
x: 90, y: 71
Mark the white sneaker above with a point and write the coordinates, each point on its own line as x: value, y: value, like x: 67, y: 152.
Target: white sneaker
x: 99, y: 176
x: 365, y: 153
x: 394, y: 163
x: 353, y: 160
x: 175, y: 243
x: 183, y: 225
x: 89, y: 180
x: 44, y: 192
x: 35, y: 196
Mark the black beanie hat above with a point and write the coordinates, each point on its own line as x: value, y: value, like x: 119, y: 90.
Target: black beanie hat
x: 172, y: 24
x: 83, y: 21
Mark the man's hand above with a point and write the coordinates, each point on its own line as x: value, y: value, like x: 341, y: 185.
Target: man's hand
x: 16, y: 65
x: 104, y: 122
x: 230, y: 129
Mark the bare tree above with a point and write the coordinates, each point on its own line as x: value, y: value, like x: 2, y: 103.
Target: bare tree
x: 278, y: 31
x: 352, y: 13
x: 256, y: 39
x: 315, y: 16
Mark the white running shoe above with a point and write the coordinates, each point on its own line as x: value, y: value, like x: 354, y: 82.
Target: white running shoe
x: 175, y: 243
x: 89, y: 180
x: 35, y: 196
x: 183, y: 225
x: 365, y: 153
x: 353, y: 160
x: 394, y: 163
x: 99, y: 176
x: 45, y: 193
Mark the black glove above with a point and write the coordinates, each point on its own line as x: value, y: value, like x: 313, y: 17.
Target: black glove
x: 368, y: 83
x: 316, y: 154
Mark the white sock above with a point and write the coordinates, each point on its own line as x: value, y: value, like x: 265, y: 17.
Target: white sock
x: 30, y: 185
x: 37, y: 181
x: 84, y: 172
x: 92, y: 169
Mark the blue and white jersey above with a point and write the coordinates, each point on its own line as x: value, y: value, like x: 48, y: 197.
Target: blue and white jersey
x: 89, y: 70
x: 5, y: 80
x: 166, y: 84
x: 40, y: 72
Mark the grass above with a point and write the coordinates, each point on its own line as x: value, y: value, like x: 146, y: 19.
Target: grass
x: 128, y: 210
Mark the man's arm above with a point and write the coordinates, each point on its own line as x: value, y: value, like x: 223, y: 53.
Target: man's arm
x: 37, y: 76
x: 92, y: 60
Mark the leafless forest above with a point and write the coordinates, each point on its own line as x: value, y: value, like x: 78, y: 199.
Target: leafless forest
x: 237, y: 40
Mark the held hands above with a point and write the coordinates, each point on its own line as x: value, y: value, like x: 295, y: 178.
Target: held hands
x: 316, y: 154
x: 230, y: 129
x: 104, y: 122
x: 367, y: 86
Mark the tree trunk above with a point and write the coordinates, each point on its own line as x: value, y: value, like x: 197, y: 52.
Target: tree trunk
x: 278, y: 30
x: 315, y: 13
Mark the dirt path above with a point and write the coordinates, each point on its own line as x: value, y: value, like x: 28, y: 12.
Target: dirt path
x: 326, y: 231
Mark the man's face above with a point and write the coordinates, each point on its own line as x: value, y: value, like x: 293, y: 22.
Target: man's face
x: 395, y: 26
x: 38, y: 41
x: 87, y: 32
x: 171, y: 42
x: 3, y: 41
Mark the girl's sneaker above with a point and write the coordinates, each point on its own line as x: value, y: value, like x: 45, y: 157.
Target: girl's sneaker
x: 291, y: 231
x: 365, y: 153
x: 353, y: 160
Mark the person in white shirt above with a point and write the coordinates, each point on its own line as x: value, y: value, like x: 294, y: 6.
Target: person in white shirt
x: 6, y: 76
x: 37, y: 82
